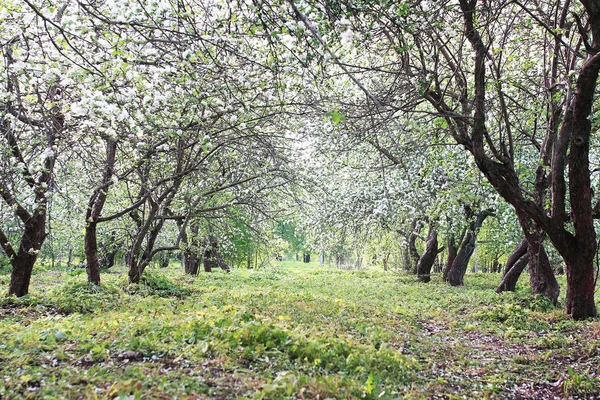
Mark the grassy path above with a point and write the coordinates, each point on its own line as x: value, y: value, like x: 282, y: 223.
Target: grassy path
x: 291, y: 331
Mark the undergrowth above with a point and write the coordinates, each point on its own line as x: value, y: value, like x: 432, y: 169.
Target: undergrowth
x: 289, y: 332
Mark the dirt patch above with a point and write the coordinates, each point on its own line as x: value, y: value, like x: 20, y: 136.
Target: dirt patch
x: 27, y: 313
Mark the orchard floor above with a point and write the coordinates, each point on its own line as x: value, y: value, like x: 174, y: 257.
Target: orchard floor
x: 290, y: 331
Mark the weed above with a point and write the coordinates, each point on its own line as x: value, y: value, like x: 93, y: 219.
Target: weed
x: 157, y: 284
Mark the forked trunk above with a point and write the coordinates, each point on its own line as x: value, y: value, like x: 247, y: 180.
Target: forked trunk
x: 515, y: 265
x: 510, y: 278
x: 467, y: 247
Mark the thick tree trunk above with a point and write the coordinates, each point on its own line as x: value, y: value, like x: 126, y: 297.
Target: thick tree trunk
x: 517, y: 253
x: 511, y: 274
x: 510, y: 278
x: 452, y: 251
x: 20, y: 276
x: 428, y: 258
x: 467, y: 247
x: 212, y: 257
x: 108, y: 259
x: 461, y: 261
x: 31, y: 242
x: 192, y: 264
x: 191, y: 254
x: 579, y: 302
x: 90, y: 244
x: 208, y: 261
x: 541, y: 275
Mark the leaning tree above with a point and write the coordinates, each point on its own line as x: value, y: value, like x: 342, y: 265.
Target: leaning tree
x: 32, y: 128
x: 512, y: 83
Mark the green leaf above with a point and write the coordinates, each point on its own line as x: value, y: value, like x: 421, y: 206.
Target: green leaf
x: 336, y: 116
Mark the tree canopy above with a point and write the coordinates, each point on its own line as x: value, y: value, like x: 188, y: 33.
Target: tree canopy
x: 229, y: 133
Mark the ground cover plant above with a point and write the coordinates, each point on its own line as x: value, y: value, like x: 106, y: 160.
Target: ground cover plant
x: 291, y: 330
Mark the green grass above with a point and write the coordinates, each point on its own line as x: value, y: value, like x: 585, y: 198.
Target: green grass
x: 290, y: 331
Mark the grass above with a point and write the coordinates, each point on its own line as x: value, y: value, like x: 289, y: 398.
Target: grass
x: 290, y: 331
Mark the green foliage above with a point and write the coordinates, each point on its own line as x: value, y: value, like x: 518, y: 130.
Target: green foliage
x: 336, y: 116
x: 83, y: 297
x: 584, y: 383
x: 505, y: 313
x: 157, y: 284
x: 285, y: 332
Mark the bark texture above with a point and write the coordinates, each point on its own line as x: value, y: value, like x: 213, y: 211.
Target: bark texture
x: 412, y: 245
x: 467, y: 247
x: 94, y: 211
x: 426, y: 261
x: 212, y: 257
x: 515, y: 265
x: 452, y: 251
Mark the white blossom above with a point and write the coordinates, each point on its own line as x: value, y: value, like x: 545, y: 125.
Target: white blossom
x: 347, y: 37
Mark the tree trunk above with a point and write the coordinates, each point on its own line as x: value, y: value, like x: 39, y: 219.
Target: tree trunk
x: 541, y: 275
x: 209, y: 254
x: 508, y: 283
x: 136, y: 269
x: 212, y: 257
x: 70, y: 258
x: 192, y: 264
x: 461, y: 261
x: 412, y: 246
x: 428, y: 258
x: 579, y: 302
x: 90, y: 244
x: 94, y: 210
x: 452, y: 250
x: 191, y: 259
x: 510, y: 278
x: 31, y: 242
x: 467, y: 247
x: 108, y: 258
x: 207, y: 261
